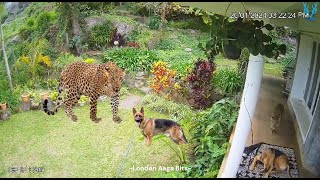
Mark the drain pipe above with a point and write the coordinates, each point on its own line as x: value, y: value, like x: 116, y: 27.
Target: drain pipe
x: 245, y: 117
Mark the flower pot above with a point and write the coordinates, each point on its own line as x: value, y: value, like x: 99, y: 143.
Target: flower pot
x: 3, y: 106
x: 231, y: 51
x: 25, y: 98
x: 44, y: 96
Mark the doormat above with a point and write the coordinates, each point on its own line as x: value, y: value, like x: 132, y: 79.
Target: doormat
x: 251, y: 151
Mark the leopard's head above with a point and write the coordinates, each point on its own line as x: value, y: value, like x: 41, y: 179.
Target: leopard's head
x: 114, y: 74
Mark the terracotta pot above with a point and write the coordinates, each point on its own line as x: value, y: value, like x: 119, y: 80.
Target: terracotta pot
x: 25, y: 97
x: 44, y: 96
x: 3, y: 106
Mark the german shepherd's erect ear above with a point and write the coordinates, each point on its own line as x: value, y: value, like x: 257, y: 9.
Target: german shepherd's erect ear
x: 142, y: 110
x: 134, y: 111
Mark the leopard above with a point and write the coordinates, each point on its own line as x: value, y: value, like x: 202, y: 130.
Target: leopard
x: 92, y: 80
x: 276, y: 118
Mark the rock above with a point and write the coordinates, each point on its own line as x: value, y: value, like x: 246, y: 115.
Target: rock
x: 15, y: 7
x: 194, y: 32
x: 139, y: 78
x: 122, y: 28
x: 93, y: 21
x: 141, y: 73
x: 138, y: 84
x: 188, y: 49
x: 146, y: 90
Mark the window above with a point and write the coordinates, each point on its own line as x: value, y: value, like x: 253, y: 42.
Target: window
x: 311, y: 93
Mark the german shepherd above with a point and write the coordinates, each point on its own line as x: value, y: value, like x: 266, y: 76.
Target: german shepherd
x: 272, y: 159
x: 151, y: 127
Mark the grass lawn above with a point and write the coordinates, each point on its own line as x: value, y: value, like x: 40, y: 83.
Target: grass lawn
x: 274, y: 69
x: 82, y: 149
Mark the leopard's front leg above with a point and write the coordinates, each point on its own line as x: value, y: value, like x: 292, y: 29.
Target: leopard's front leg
x: 114, y: 106
x: 93, y: 109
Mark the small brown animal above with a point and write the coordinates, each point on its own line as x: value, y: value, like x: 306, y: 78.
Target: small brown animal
x: 272, y: 158
x: 276, y: 117
x: 151, y: 127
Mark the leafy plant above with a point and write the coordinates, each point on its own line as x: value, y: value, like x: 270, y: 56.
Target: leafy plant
x: 54, y: 96
x: 101, y: 35
x: 243, y: 63
x: 35, y: 60
x: 239, y: 33
x: 176, y: 110
x: 123, y: 92
x: 200, y: 85
x: 29, y: 27
x: 163, y: 78
x: 52, y: 83
x: 44, y: 20
x: 131, y: 59
x: 155, y: 22
x: 228, y: 80
x: 211, y: 133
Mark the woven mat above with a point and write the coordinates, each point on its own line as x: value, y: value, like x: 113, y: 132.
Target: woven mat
x: 251, y: 151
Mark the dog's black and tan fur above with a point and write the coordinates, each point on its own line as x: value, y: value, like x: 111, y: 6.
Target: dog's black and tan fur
x: 151, y: 127
x: 272, y: 159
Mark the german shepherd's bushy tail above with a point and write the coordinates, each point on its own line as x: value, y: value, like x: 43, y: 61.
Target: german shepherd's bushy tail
x: 59, y: 102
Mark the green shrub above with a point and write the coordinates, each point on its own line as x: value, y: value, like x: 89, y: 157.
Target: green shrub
x: 124, y: 92
x: 29, y: 27
x: 175, y: 110
x: 228, y: 80
x: 154, y: 22
x: 179, y: 60
x: 166, y: 44
x: 131, y: 59
x: 44, y: 20
x: 63, y: 60
x: 211, y: 132
x: 100, y: 35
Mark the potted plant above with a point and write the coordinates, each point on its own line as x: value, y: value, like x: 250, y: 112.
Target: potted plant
x: 25, y: 97
x: 35, y: 101
x: 3, y: 105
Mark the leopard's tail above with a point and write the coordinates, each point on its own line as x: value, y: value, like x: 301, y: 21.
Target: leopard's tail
x: 59, y: 102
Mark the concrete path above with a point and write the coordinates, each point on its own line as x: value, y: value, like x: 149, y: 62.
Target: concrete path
x: 130, y: 101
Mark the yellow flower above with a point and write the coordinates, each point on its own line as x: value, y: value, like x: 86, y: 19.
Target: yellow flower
x: 176, y: 86
x: 47, y: 60
x: 89, y: 60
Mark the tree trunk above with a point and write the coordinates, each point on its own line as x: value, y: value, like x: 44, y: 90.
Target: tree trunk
x: 6, y: 59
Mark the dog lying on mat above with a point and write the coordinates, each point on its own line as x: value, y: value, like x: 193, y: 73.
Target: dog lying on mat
x: 151, y: 127
x: 272, y: 159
